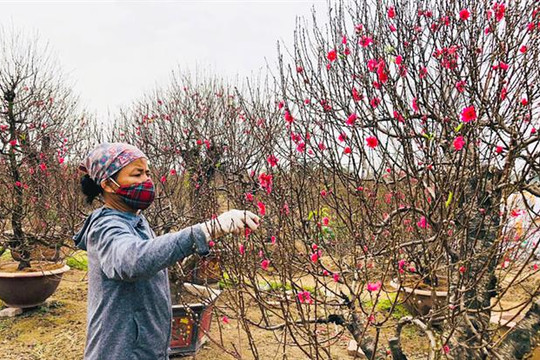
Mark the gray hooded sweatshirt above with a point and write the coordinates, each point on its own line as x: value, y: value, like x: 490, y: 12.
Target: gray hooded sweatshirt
x: 129, y: 301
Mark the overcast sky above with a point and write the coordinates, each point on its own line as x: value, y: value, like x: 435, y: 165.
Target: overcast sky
x: 114, y: 51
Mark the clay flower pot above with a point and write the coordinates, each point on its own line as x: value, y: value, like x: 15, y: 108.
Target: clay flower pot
x: 25, y: 289
x: 421, y: 301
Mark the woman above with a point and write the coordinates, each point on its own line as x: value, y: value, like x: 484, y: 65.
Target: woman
x: 129, y: 303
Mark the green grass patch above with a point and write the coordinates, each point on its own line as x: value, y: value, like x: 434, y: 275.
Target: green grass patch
x: 385, y: 305
x: 6, y: 256
x: 78, y: 261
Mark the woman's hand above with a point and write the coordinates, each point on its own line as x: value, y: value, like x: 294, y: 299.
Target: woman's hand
x: 231, y: 222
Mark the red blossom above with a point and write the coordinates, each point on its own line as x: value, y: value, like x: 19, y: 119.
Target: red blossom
x: 381, y: 73
x: 391, y: 12
x: 372, y: 142
x: 468, y: 114
x: 499, y: 11
x: 262, y: 208
x: 375, y: 102
x: 464, y: 14
x: 332, y: 55
x: 264, y: 264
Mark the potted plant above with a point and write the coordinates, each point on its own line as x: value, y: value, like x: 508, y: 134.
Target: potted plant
x: 38, y: 135
x: 192, y: 316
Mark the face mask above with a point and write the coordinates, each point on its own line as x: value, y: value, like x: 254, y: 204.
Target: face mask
x: 137, y: 196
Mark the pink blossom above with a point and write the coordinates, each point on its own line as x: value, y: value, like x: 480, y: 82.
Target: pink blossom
x: 422, y: 223
x: 399, y: 59
x: 523, y: 49
x: 272, y: 160
x: 459, y: 142
x: 460, y: 86
x: 273, y: 239
x: 288, y: 117
x: 398, y: 116
x: 392, y: 27
x: 365, y: 41
x: 241, y: 249
x: 351, y: 119
x: 464, y: 14
x: 43, y: 167
x: 342, y: 137
x: 415, y: 105
x: 248, y: 196
x: 391, y: 12
x: 305, y: 297
x: 325, y: 221
x: 446, y: 349
x: 163, y: 179
x: 315, y: 256
x: 299, y: 69
x: 265, y: 181
x: 371, y: 287
x: 499, y: 149
x: 335, y: 276
x: 372, y: 64
x: 225, y: 319
x: 375, y: 102
x: 347, y: 150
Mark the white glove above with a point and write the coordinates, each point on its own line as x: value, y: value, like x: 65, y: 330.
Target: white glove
x: 232, y: 221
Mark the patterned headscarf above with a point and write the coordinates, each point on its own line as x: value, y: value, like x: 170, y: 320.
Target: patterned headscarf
x: 107, y: 159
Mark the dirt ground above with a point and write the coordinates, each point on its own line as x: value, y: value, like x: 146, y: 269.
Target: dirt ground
x: 57, y: 331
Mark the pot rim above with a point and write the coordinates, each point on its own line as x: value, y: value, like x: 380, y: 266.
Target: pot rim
x: 407, y: 289
x: 41, y: 273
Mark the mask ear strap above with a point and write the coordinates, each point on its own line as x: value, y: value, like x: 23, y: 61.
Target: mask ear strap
x: 114, y: 182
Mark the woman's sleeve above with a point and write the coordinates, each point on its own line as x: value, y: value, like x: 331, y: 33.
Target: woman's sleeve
x: 125, y: 256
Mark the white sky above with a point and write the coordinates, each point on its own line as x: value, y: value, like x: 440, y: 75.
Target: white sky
x: 115, y: 51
